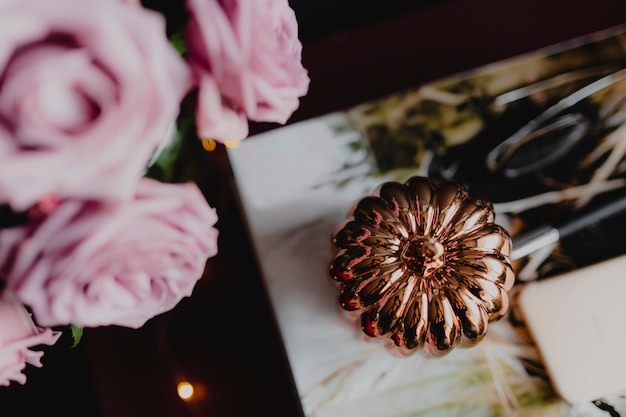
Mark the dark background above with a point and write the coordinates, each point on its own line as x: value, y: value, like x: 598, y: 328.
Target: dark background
x: 223, y: 338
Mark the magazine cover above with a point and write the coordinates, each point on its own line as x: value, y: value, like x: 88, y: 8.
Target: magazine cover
x: 540, y: 136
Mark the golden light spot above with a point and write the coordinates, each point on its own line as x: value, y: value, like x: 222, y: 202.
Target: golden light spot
x: 232, y: 143
x: 209, y: 144
x: 185, y: 390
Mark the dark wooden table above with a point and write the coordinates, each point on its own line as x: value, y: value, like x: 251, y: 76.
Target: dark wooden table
x: 223, y: 338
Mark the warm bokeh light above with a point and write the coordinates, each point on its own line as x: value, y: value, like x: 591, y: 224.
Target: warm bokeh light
x: 232, y: 143
x: 185, y: 390
x: 209, y: 144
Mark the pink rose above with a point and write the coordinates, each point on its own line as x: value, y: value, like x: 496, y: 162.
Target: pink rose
x: 18, y: 333
x: 93, y: 264
x: 246, y: 57
x: 89, y: 89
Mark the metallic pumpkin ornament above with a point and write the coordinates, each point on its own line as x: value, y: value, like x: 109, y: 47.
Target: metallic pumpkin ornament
x: 423, y: 265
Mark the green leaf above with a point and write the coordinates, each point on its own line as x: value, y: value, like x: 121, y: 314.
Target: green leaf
x: 178, y: 42
x: 183, y: 156
x: 77, y: 334
x: 163, y: 169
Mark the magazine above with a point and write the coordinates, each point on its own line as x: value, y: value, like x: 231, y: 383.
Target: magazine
x: 297, y: 183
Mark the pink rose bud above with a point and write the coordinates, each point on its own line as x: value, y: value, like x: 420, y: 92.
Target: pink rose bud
x: 246, y: 57
x: 18, y: 334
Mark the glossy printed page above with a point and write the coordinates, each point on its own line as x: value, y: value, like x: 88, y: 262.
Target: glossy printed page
x: 298, y: 183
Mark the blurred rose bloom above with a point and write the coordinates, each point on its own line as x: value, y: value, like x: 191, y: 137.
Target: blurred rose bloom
x: 246, y: 57
x: 89, y: 88
x: 18, y: 334
x: 94, y: 264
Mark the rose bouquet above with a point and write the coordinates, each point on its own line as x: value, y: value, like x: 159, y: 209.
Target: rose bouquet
x: 101, y: 103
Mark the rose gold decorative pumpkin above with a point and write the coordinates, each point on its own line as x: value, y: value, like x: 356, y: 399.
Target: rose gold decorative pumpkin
x: 423, y: 265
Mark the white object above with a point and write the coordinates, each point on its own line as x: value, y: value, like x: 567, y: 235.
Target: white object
x: 578, y: 321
